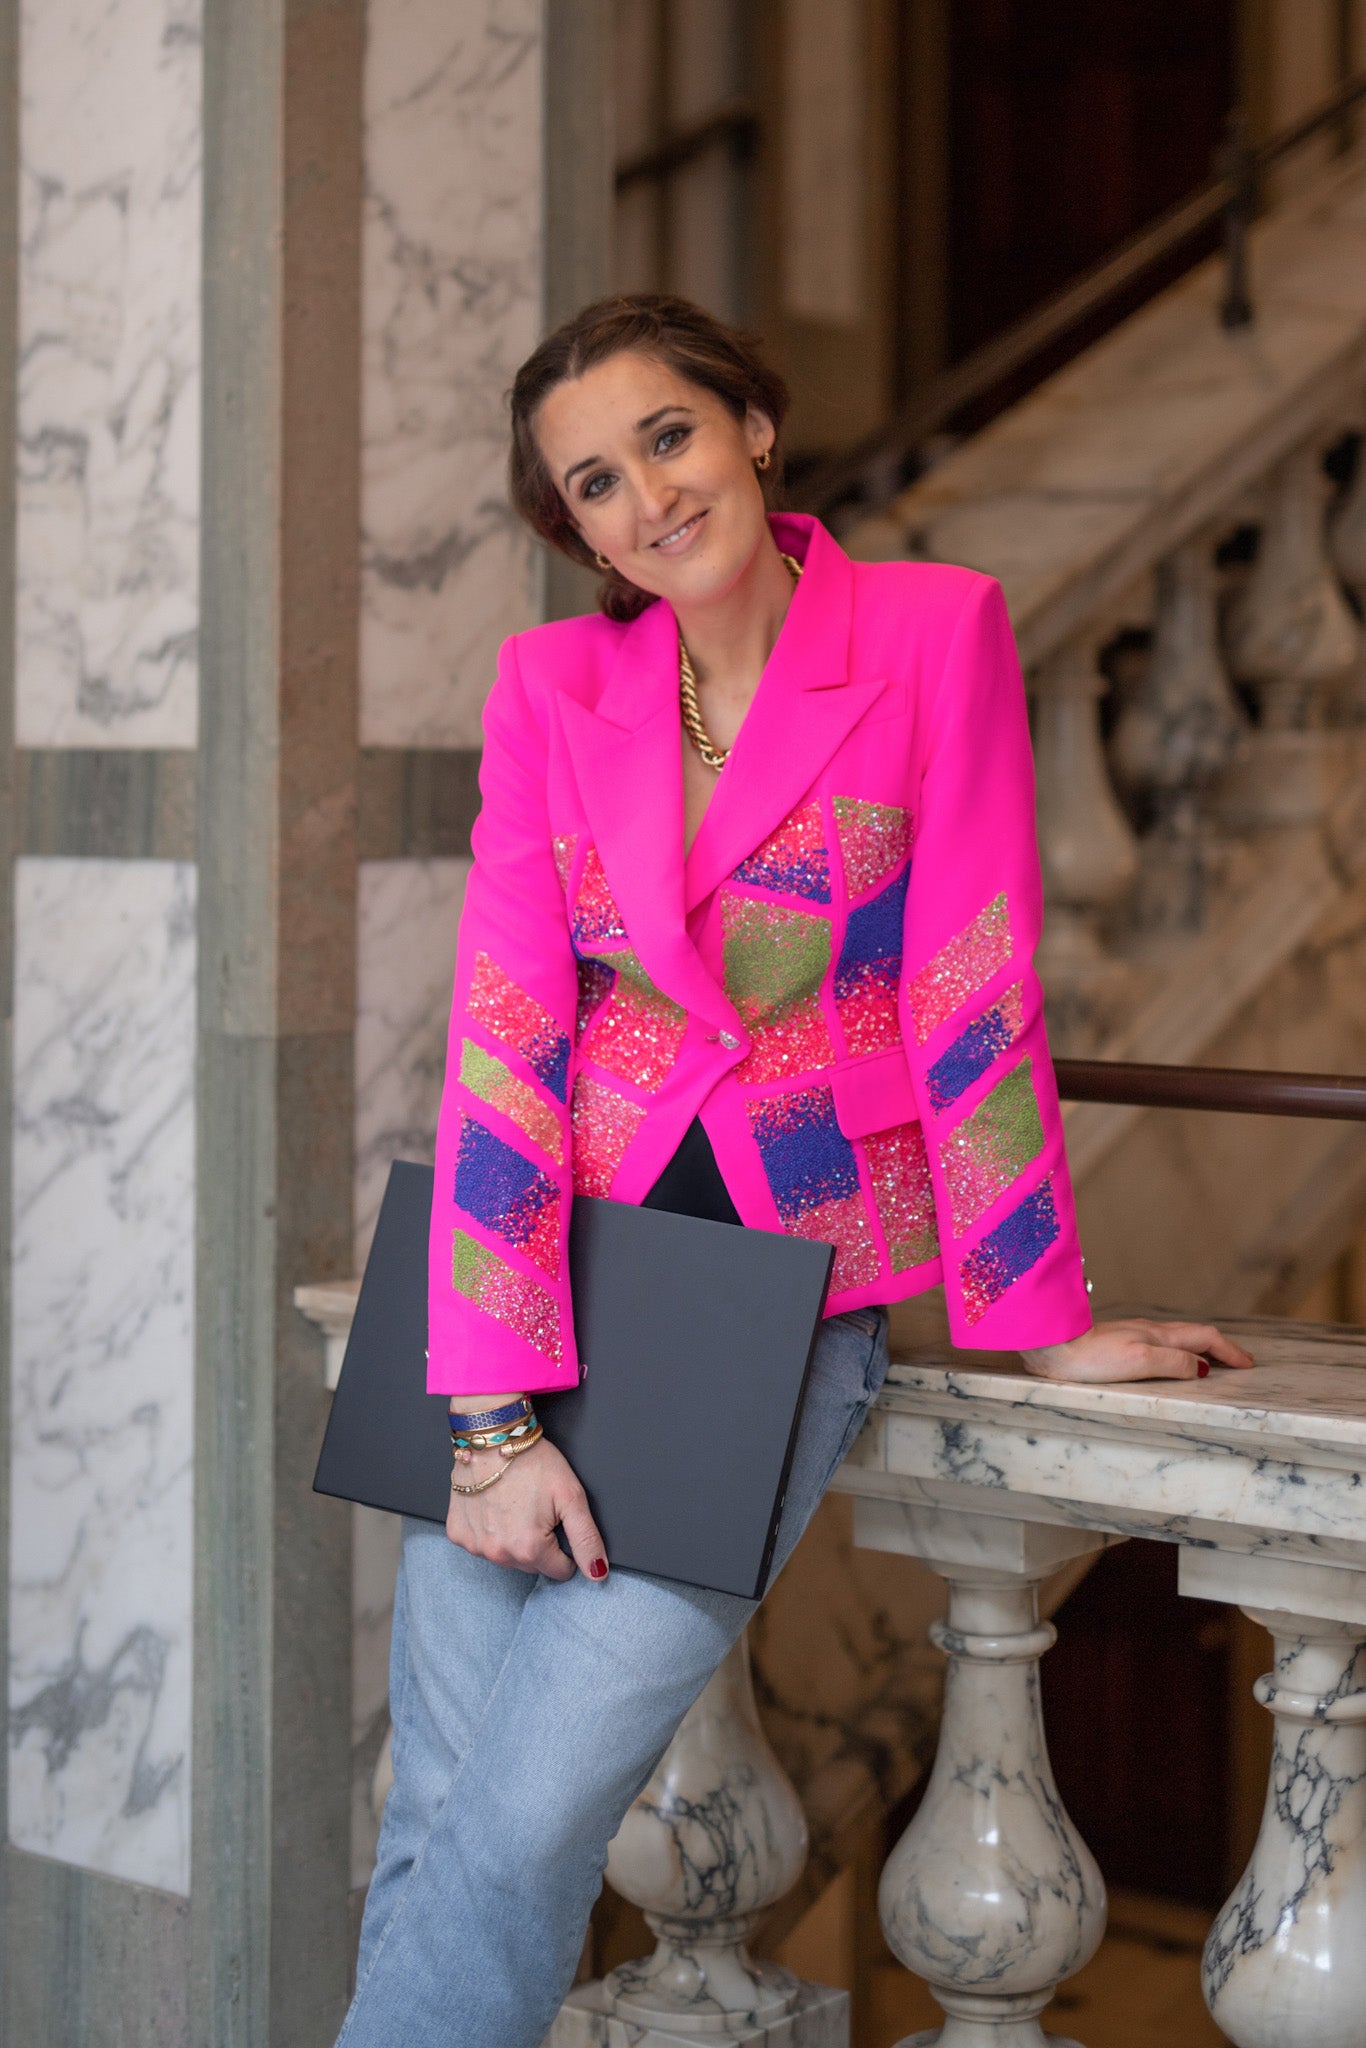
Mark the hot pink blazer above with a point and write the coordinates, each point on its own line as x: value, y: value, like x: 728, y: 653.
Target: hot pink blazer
x: 837, y: 979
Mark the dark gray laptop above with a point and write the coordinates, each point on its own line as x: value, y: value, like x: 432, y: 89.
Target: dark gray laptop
x: 695, y: 1340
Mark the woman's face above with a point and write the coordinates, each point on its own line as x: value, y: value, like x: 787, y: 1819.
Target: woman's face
x: 658, y: 475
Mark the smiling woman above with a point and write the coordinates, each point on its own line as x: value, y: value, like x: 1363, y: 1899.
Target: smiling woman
x: 749, y: 933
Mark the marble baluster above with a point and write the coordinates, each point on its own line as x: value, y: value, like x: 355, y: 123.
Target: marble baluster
x: 991, y: 1895
x: 1086, y: 845
x: 716, y: 1836
x: 1178, y: 731
x: 1285, y: 1966
x: 1293, y: 640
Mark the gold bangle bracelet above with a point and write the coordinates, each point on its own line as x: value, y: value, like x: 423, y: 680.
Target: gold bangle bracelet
x: 481, y: 1484
x: 490, y: 1440
x: 515, y: 1450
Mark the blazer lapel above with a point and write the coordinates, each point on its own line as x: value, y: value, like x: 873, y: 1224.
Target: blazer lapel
x: 804, y: 708
x: 627, y: 760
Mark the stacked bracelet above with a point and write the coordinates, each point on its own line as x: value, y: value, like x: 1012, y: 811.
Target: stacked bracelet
x: 490, y: 1439
x: 509, y: 1451
x: 491, y: 1418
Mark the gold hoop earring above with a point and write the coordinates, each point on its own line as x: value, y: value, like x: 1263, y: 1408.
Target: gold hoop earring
x: 762, y: 461
x: 601, y: 560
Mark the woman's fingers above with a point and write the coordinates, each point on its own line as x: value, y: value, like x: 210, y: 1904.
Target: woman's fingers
x: 590, y: 1552
x: 1206, y: 1338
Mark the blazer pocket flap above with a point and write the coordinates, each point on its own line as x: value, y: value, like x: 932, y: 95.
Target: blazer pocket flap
x: 873, y: 1093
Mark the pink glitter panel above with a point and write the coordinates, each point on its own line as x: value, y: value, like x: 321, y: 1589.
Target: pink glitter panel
x: 874, y: 840
x: 604, y: 1125
x: 843, y: 1224
x: 515, y: 1299
x: 868, y: 1018
x: 991, y: 1148
x: 793, y: 861
x: 510, y: 1014
x: 595, y: 920
x: 595, y: 980
x: 563, y: 847
x: 953, y: 977
x: 900, y: 1168
x: 637, y: 1032
x: 795, y: 1041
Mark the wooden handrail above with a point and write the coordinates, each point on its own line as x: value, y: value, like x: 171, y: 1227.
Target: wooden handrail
x: 1242, y: 1091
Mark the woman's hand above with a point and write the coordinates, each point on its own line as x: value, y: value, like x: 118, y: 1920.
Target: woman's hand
x: 513, y: 1522
x: 1137, y: 1350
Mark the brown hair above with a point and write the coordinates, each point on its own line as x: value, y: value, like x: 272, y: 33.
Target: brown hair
x: 721, y: 359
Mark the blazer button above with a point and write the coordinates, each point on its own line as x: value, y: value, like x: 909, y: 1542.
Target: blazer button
x: 729, y: 1040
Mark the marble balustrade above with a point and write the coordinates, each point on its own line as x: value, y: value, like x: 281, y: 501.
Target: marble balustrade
x: 996, y: 1480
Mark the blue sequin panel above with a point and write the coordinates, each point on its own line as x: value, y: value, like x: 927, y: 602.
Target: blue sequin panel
x: 1018, y: 1242
x: 807, y: 1158
x: 508, y: 1193
x: 869, y: 969
x: 973, y: 1051
x: 794, y: 860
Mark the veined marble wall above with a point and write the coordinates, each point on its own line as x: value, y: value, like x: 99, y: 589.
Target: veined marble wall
x: 452, y: 299
x: 102, y: 1366
x: 109, y: 355
x: 107, y: 544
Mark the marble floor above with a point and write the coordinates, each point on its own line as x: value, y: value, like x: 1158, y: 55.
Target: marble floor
x: 1142, y: 1990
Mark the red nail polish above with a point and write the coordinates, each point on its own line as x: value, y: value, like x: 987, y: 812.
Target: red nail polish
x: 1202, y: 1370
x: 598, y: 1568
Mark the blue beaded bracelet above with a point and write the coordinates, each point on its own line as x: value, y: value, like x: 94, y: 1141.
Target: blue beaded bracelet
x: 491, y: 1417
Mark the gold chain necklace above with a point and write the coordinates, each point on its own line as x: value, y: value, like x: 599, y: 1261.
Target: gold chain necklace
x: 714, y: 756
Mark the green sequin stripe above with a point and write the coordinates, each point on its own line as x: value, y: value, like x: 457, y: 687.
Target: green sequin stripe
x: 487, y: 1078
x: 992, y: 1147
x: 512, y: 1298
x: 772, y: 956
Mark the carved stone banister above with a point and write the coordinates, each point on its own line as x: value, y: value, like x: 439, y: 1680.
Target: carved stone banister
x: 1347, y: 535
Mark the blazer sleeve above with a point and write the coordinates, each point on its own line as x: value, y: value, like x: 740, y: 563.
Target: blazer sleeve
x: 972, y: 1007
x: 499, y: 1311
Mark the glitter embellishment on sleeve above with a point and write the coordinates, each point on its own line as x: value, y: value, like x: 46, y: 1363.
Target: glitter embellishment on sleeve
x: 973, y: 1051
x: 793, y: 861
x: 813, y: 1175
x: 874, y: 839
x: 899, y: 1165
x: 953, y: 977
x: 595, y: 982
x: 490, y: 1081
x: 529, y: 1310
x: 869, y: 970
x: 508, y: 1194
x: 992, y: 1147
x: 563, y: 846
x: 1018, y: 1242
x: 774, y: 961
x: 595, y: 921
x: 508, y: 1013
x: 604, y: 1125
x: 637, y: 1032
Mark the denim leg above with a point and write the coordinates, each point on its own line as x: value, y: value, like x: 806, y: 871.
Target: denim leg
x: 533, y: 1711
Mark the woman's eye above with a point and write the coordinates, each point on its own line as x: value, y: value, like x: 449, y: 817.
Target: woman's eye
x: 670, y: 439
x: 591, y: 488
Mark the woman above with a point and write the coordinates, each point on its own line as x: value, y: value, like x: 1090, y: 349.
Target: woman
x: 748, y: 934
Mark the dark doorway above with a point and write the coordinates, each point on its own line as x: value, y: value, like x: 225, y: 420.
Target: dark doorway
x: 1072, y: 124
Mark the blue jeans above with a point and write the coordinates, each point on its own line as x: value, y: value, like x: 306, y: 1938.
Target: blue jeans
x: 528, y: 1713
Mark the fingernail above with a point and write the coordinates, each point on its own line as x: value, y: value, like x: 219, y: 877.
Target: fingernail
x: 1202, y: 1370
x: 598, y: 1568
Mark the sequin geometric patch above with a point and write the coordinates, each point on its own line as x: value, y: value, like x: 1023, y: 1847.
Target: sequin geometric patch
x: 1018, y: 1242
x: 510, y: 1297
x: 774, y: 961
x: 604, y: 1125
x: 563, y: 846
x: 899, y: 1167
x: 510, y: 1014
x: 869, y: 970
x: 974, y: 1049
x: 595, y: 982
x: 637, y: 1032
x: 845, y: 1225
x: 793, y: 860
x: 487, y: 1078
x: 967, y: 963
x: 595, y: 921
x: 874, y: 839
x: 806, y: 1156
x: 508, y: 1193
x: 982, y: 1155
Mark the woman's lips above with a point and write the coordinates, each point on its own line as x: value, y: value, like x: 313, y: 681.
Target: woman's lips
x: 680, y: 538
